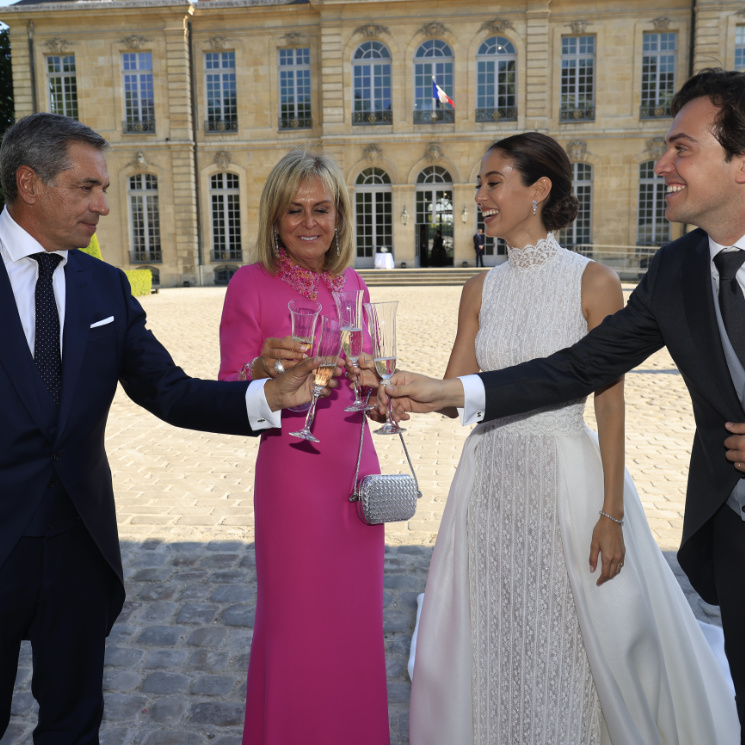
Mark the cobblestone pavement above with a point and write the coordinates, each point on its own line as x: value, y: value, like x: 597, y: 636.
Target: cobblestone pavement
x: 177, y: 657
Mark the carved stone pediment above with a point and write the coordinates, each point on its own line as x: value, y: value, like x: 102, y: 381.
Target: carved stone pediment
x: 433, y: 152
x: 139, y: 162
x: 222, y: 159
x: 218, y: 42
x: 656, y: 147
x: 433, y: 29
x: 661, y: 23
x: 58, y: 44
x: 371, y: 30
x: 497, y: 26
x: 372, y: 152
x: 578, y: 27
x: 577, y: 150
x: 293, y: 38
x: 134, y: 41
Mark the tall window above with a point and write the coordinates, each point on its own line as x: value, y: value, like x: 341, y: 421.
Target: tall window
x: 294, y: 89
x: 226, y: 217
x: 433, y: 62
x: 63, y: 85
x: 144, y: 218
x: 658, y: 73
x: 496, y: 75
x: 372, y: 84
x: 580, y: 231
x: 139, y: 101
x: 373, y: 210
x: 652, y: 227
x: 740, y: 48
x: 577, y: 78
x: 222, y: 105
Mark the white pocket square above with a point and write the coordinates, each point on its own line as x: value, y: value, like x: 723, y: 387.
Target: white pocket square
x: 103, y: 322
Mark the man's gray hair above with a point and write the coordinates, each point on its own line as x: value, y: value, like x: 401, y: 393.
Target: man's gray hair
x: 41, y: 141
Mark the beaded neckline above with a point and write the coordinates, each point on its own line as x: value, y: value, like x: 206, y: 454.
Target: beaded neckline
x: 533, y: 256
x: 304, y: 281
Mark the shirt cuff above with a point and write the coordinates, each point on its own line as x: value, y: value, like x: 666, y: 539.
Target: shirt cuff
x: 260, y: 416
x: 474, y: 399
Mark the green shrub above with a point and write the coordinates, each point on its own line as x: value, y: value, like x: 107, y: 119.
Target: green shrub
x: 94, y: 249
x: 141, y: 281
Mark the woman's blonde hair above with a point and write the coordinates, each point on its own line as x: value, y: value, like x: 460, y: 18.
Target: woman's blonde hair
x: 293, y: 170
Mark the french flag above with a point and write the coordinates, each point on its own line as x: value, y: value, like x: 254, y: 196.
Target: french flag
x: 439, y: 95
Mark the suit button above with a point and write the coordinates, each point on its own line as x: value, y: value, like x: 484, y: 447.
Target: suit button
x: 49, y: 526
x: 56, y: 456
x: 52, y: 483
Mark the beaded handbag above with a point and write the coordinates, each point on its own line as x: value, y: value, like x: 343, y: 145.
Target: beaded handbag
x: 383, y: 498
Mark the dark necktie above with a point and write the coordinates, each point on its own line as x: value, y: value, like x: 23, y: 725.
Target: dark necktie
x: 46, y: 345
x: 731, y: 300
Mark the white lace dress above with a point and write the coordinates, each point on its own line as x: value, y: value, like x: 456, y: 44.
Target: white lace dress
x: 516, y: 644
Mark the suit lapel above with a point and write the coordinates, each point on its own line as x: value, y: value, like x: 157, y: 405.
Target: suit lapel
x: 698, y: 301
x: 16, y: 357
x: 75, y: 336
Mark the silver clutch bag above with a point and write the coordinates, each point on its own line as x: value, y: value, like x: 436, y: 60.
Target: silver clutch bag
x: 383, y: 498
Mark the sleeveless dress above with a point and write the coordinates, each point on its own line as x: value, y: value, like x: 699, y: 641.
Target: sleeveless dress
x: 516, y: 643
x: 316, y: 672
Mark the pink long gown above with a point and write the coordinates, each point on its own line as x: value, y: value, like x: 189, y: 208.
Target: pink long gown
x: 316, y: 672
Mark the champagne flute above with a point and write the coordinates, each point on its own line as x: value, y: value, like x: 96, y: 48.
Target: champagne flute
x: 328, y: 347
x: 381, y: 318
x: 303, y: 316
x: 349, y: 306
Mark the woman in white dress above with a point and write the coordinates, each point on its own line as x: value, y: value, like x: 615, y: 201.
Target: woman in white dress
x: 550, y: 616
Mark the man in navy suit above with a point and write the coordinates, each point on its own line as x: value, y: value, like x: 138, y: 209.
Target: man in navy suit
x: 678, y: 304
x: 69, y: 332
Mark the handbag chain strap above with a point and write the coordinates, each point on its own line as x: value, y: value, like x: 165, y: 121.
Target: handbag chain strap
x: 355, y: 494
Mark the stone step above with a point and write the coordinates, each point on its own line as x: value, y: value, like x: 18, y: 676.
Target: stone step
x: 428, y: 277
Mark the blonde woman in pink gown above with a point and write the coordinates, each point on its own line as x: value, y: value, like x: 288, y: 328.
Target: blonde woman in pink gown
x: 316, y: 672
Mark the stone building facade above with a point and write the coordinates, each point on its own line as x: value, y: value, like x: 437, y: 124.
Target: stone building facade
x: 200, y: 99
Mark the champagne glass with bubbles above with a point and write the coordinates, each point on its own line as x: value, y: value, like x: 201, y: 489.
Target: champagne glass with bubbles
x: 328, y: 347
x: 349, y: 305
x: 303, y: 316
x: 381, y: 318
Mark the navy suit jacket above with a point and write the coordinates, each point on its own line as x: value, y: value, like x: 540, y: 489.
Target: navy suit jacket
x: 40, y: 443
x: 673, y: 306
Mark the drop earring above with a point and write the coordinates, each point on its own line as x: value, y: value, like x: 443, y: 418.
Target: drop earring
x: 276, y: 244
x: 535, y: 207
x: 336, y: 235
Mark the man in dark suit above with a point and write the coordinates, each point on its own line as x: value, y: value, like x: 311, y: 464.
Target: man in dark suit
x: 690, y: 300
x: 70, y: 330
x: 478, y: 246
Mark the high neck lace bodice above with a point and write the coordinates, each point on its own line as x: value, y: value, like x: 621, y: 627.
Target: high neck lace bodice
x: 532, y: 256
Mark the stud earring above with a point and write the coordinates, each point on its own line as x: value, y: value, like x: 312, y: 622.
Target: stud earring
x: 535, y: 207
x: 336, y: 235
x: 276, y: 243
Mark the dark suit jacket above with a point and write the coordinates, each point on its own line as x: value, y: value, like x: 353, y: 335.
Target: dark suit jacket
x: 40, y: 443
x: 673, y: 306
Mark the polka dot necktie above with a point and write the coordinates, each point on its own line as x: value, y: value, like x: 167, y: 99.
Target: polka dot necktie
x: 46, y: 345
x: 731, y: 300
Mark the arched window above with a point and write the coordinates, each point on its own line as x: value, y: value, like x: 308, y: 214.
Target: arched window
x: 496, y: 80
x: 434, y: 217
x: 372, y: 84
x: 579, y: 233
x: 223, y: 274
x: 226, y: 217
x: 433, y: 65
x: 652, y: 227
x: 144, y: 218
x: 373, y: 202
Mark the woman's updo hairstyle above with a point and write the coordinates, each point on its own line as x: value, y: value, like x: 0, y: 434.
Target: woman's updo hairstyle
x: 535, y: 155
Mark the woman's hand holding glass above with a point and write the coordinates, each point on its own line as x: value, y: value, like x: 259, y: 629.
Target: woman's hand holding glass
x: 284, y: 351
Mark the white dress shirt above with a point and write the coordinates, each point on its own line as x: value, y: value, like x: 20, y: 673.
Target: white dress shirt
x: 16, y: 246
